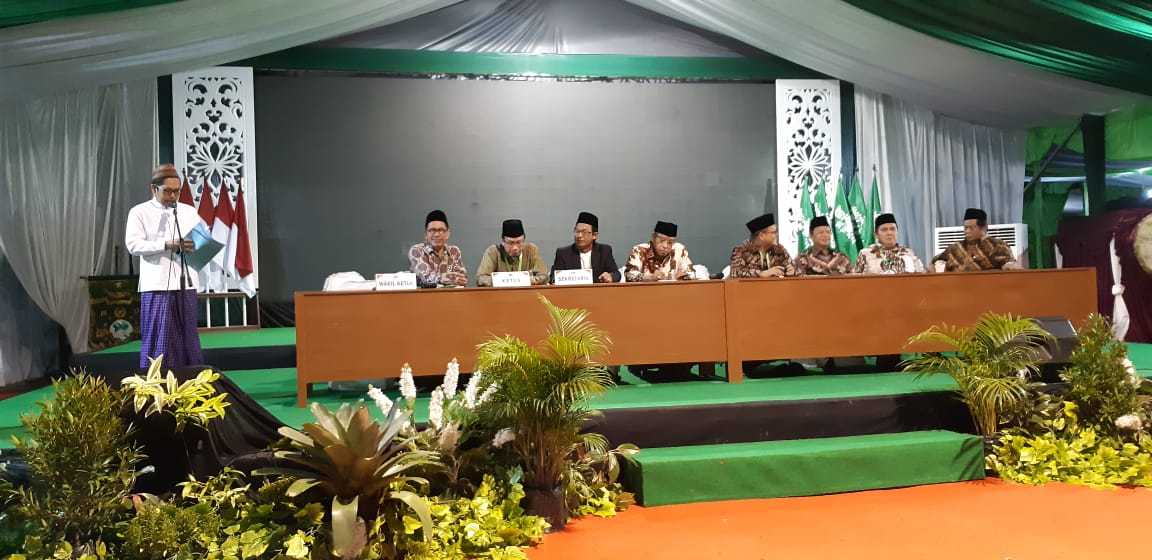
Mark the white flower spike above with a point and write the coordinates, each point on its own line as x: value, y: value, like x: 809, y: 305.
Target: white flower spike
x: 472, y: 391
x: 436, y: 408
x: 451, y: 379
x: 382, y: 401
x: 407, y: 384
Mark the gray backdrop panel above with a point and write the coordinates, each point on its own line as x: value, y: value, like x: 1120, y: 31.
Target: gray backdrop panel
x: 348, y: 167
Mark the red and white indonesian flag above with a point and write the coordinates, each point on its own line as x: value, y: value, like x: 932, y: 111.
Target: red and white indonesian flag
x: 207, y: 211
x: 239, y: 245
x: 222, y: 232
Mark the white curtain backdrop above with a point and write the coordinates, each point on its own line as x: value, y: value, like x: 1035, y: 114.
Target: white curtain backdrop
x: 929, y: 168
x: 847, y: 43
x: 70, y: 165
x: 71, y: 53
x: 28, y: 340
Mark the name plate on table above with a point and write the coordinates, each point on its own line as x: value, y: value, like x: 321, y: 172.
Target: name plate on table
x: 574, y: 277
x: 396, y: 281
x: 514, y: 278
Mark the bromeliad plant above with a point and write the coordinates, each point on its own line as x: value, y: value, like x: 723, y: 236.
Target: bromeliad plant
x: 362, y: 466
x: 992, y: 364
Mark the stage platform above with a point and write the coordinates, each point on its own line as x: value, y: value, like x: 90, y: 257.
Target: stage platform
x: 228, y: 351
x: 708, y: 439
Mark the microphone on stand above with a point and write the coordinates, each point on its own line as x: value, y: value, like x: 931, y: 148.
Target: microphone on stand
x: 180, y: 247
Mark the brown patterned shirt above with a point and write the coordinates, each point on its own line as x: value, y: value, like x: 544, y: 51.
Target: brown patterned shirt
x: 987, y: 253
x: 644, y: 266
x: 875, y: 259
x: 748, y: 260
x: 828, y: 263
x: 431, y: 267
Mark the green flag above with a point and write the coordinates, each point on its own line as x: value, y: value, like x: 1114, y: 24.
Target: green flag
x: 874, y: 209
x: 861, y: 222
x: 806, y: 211
x: 820, y: 201
x: 842, y: 228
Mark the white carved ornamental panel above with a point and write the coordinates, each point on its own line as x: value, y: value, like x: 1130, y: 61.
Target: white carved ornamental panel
x: 214, y: 144
x: 807, y: 150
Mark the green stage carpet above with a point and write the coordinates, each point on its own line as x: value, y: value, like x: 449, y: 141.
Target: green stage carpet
x: 233, y: 339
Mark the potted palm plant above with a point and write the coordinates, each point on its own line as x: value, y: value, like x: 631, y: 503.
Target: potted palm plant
x: 993, y: 364
x: 543, y: 401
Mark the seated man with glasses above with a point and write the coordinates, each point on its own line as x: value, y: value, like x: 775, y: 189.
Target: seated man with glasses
x: 435, y: 262
x: 586, y: 253
x: 512, y: 254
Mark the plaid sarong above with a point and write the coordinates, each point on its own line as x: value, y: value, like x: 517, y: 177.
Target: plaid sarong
x: 168, y: 326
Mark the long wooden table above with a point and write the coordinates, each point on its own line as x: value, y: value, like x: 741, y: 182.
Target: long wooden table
x: 344, y: 336
x: 366, y: 335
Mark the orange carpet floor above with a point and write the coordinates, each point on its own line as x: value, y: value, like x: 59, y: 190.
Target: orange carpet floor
x: 985, y: 520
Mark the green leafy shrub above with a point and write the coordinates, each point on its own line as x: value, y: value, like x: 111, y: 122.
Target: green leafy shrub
x: 491, y: 524
x: 162, y: 530
x: 1093, y: 433
x: 1102, y: 381
x: 1068, y: 452
x: 194, y: 401
x: 591, y: 486
x: 223, y: 518
x: 82, y: 465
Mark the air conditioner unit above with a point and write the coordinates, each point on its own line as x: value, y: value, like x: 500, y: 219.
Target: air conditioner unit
x: 1015, y: 235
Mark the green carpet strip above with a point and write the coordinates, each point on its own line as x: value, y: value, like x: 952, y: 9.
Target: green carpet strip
x: 774, y: 469
x: 229, y: 339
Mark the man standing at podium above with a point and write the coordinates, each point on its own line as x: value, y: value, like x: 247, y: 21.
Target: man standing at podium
x: 155, y: 232
x: 435, y: 262
x: 512, y: 254
x: 978, y: 251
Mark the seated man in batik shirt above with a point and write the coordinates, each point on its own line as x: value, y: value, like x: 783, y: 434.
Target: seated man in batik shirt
x: 662, y: 258
x: 435, y: 262
x: 821, y: 259
x: 887, y: 256
x: 977, y: 251
x: 760, y: 256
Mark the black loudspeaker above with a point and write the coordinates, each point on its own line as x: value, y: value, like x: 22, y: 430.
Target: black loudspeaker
x: 1054, y: 355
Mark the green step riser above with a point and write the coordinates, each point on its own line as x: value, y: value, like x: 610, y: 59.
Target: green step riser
x: 776, y: 474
